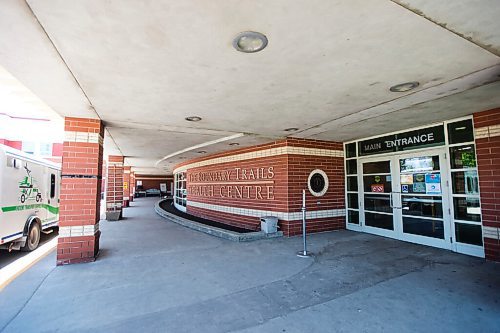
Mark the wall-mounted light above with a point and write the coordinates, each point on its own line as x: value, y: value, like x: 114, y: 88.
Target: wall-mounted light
x: 193, y: 118
x: 249, y: 42
x: 403, y: 87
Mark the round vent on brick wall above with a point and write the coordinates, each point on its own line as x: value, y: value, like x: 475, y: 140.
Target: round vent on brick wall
x: 317, y: 182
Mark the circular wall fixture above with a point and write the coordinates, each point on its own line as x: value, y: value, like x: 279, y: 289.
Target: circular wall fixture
x: 403, y: 87
x: 234, y: 144
x: 291, y: 129
x: 317, y: 182
x: 249, y: 42
x: 193, y: 118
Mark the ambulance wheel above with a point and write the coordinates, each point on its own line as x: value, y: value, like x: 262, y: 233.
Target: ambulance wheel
x: 23, y: 198
x: 33, y: 238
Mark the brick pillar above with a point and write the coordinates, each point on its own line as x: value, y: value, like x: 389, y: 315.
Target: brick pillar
x: 126, y: 186
x: 80, y: 191
x: 114, y: 193
x: 487, y: 133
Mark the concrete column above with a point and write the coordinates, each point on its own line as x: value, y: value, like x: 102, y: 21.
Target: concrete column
x: 126, y: 186
x: 114, y: 188
x: 80, y: 191
x: 487, y: 135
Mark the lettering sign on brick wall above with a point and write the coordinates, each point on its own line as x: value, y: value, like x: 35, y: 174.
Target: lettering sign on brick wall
x: 236, y: 183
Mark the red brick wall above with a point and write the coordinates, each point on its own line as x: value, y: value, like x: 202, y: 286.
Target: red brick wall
x: 488, y: 161
x: 13, y: 144
x: 57, y: 149
x: 290, y: 174
x: 154, y: 181
x: 299, y: 168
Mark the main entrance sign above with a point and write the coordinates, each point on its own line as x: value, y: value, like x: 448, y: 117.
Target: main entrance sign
x: 421, y: 138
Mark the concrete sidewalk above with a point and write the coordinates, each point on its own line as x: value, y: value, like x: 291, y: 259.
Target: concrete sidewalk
x: 157, y: 276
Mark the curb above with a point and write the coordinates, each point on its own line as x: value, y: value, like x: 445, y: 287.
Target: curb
x: 214, y: 231
x: 10, y: 272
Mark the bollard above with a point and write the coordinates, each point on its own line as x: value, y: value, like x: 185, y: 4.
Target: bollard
x: 304, y: 253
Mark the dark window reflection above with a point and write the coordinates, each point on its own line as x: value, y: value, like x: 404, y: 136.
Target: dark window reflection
x: 352, y: 184
x: 352, y: 200
x: 467, y: 209
x: 463, y: 157
x: 465, y: 182
x: 378, y: 184
x: 350, y: 150
x: 460, y: 131
x: 422, y: 206
x: 378, y: 203
x: 382, y: 221
x: 469, y: 234
x: 419, y: 164
x: 377, y: 167
x: 353, y: 216
x: 423, y: 227
x: 352, y: 167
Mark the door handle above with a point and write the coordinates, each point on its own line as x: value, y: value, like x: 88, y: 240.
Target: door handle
x: 390, y: 200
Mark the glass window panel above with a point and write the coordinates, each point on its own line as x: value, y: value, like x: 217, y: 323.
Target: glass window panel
x: 465, y: 182
x: 352, y: 200
x: 350, y: 150
x: 377, y: 167
x: 419, y: 164
x: 352, y: 184
x: 353, y: 216
x: 383, y: 221
x: 422, y: 206
x: 378, y: 203
x: 460, y: 131
x: 463, y: 157
x: 423, y: 227
x: 377, y: 184
x: 352, y: 167
x: 469, y: 234
x: 467, y: 209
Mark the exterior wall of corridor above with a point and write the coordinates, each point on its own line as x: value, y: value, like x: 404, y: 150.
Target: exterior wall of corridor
x: 240, y: 186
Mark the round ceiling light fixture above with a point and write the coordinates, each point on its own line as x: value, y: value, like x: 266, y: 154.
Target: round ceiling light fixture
x: 249, y: 42
x: 202, y: 152
x: 403, y: 87
x: 193, y: 118
x: 234, y: 144
x: 291, y: 129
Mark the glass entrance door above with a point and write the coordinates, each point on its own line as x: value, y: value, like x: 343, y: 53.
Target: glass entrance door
x: 406, y: 197
x: 377, y: 200
x: 422, y: 199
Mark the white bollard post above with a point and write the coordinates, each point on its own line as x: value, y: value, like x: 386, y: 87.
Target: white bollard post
x: 304, y: 253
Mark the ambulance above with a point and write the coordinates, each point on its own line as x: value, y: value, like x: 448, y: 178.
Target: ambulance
x: 29, y: 199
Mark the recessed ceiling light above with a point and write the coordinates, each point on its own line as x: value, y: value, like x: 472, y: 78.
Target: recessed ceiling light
x: 403, y: 87
x: 249, y: 42
x: 291, y: 129
x: 202, y: 152
x: 193, y: 118
x: 234, y: 144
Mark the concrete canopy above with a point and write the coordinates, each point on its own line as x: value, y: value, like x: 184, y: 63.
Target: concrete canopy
x: 143, y: 67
